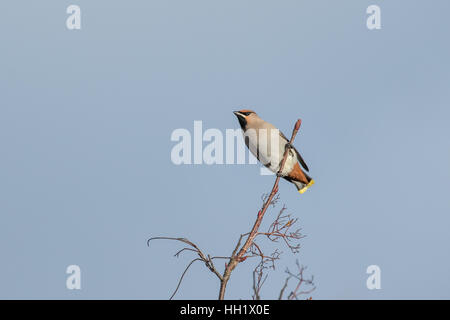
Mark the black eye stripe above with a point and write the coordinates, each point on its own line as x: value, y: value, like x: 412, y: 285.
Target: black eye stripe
x: 246, y: 113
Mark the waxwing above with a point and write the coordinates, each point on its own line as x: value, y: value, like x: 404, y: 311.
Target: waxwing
x: 268, y: 145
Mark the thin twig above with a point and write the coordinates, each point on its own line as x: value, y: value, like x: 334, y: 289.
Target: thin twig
x: 283, y: 288
x: 194, y: 248
x: 302, y: 281
x: 182, y: 276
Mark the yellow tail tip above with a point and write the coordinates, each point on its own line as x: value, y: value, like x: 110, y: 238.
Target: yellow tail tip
x: 301, y: 191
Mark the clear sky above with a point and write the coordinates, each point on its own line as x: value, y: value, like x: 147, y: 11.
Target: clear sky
x: 86, y: 118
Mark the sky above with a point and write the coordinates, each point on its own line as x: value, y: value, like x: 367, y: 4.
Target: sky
x: 86, y: 118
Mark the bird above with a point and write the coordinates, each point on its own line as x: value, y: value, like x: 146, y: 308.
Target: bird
x: 259, y: 142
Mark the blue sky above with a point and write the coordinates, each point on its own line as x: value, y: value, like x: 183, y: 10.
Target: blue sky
x: 86, y: 118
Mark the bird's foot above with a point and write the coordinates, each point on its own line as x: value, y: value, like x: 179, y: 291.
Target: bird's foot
x: 279, y: 175
x: 288, y: 146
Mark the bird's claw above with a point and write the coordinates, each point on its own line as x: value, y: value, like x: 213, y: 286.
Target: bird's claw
x: 288, y: 146
x: 279, y: 175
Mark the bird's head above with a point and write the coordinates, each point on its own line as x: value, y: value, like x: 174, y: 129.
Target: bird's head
x: 245, y: 117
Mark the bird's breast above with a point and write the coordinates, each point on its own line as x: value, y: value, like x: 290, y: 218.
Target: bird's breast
x: 269, y: 150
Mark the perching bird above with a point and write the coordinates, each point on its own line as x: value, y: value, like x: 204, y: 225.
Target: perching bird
x: 259, y: 143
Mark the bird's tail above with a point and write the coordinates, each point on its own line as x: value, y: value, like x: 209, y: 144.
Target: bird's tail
x: 302, y: 187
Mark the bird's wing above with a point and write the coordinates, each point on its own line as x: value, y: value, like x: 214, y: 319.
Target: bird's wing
x: 299, y: 157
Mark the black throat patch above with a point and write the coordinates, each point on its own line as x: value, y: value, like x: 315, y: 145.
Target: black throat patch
x: 242, y: 122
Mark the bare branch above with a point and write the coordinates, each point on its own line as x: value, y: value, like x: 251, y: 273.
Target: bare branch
x: 281, y: 229
x: 301, y: 282
x: 194, y: 248
x: 182, y: 276
x: 178, y: 253
x: 280, y: 297
x: 267, y: 262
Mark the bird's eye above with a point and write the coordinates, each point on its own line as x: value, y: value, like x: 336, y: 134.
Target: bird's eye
x: 246, y: 113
